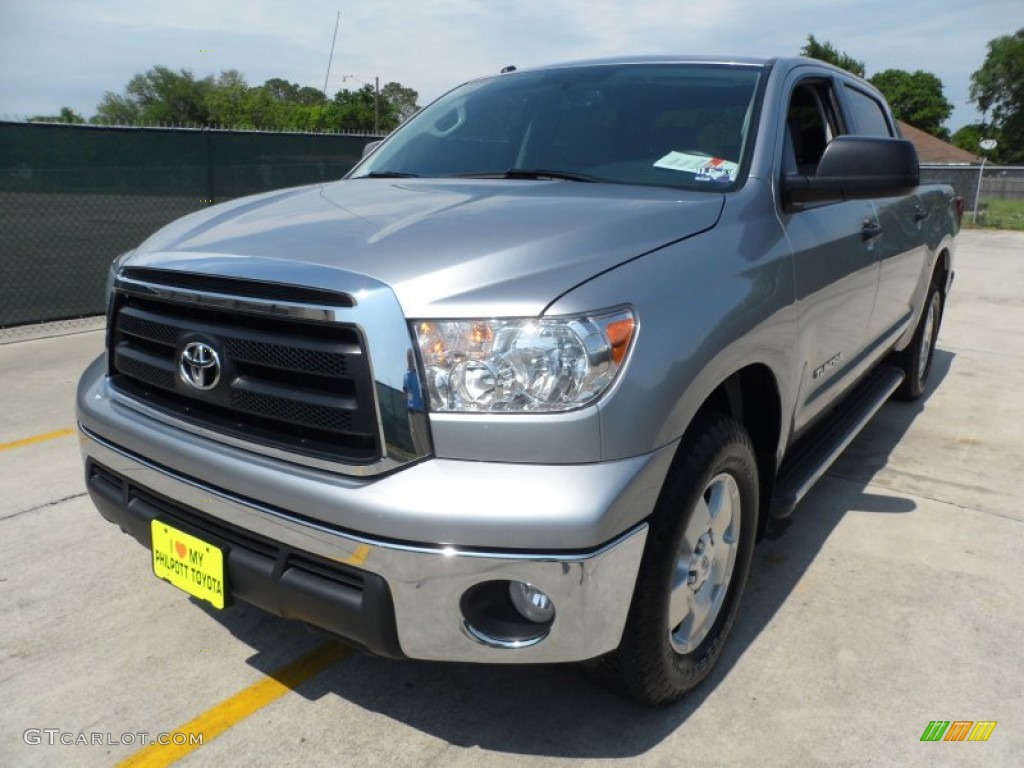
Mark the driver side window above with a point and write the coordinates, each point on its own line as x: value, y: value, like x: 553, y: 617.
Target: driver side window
x: 810, y: 125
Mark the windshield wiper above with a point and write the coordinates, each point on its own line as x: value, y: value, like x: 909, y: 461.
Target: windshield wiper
x: 388, y: 175
x: 545, y: 173
x: 511, y: 173
x: 531, y: 173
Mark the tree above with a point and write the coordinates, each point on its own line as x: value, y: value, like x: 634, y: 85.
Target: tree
x: 309, y: 96
x: 116, y: 110
x: 67, y: 115
x: 401, y: 100
x: 915, y: 98
x: 969, y: 137
x: 159, y: 95
x: 281, y: 90
x: 355, y: 110
x: 827, y: 52
x: 998, y: 87
x: 171, y: 97
x: 225, y: 100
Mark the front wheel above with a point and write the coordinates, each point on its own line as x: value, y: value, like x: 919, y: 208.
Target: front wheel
x: 694, y: 567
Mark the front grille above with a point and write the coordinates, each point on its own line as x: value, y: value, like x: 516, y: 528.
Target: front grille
x: 293, y: 411
x: 297, y: 385
x: 286, y: 358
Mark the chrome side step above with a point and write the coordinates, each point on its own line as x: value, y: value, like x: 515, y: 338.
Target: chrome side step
x: 815, y: 453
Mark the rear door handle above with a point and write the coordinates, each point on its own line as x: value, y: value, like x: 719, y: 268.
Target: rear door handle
x: 920, y: 214
x: 870, y: 230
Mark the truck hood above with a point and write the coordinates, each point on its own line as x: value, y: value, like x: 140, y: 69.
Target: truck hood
x: 448, y: 248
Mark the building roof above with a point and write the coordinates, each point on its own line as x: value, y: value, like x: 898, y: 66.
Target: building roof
x: 931, y: 149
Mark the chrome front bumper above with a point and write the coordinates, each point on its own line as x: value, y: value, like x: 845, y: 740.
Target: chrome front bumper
x: 591, y: 591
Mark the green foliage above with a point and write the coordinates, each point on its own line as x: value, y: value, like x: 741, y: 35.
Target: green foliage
x: 969, y: 137
x: 226, y: 100
x: 826, y: 52
x: 156, y: 97
x: 67, y: 115
x: 162, y: 96
x: 998, y: 87
x: 915, y: 98
x: 401, y: 99
x: 116, y: 110
x: 999, y: 213
x: 355, y: 109
x: 171, y: 97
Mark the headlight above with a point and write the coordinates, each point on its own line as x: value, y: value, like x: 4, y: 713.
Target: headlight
x: 533, y: 365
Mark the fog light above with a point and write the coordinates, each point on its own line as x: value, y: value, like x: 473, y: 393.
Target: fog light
x: 531, y: 603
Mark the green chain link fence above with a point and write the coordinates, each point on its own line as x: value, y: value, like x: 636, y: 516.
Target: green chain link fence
x: 74, y: 197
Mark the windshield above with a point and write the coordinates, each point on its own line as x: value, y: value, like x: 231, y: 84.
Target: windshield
x: 677, y: 125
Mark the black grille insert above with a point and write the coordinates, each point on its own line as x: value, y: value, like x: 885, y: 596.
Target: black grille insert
x: 301, y: 386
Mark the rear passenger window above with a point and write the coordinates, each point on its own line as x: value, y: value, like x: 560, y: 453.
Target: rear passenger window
x: 868, y: 115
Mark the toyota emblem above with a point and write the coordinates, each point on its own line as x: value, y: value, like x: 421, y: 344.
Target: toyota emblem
x: 199, y: 366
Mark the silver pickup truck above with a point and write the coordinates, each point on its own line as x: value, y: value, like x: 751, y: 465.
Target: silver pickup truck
x: 528, y: 383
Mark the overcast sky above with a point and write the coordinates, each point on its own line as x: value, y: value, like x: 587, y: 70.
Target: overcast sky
x: 55, y: 53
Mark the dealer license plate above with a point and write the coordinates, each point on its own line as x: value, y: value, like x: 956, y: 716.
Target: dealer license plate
x: 188, y: 563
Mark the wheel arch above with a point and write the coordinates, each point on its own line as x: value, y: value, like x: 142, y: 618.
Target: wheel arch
x: 940, y: 274
x: 943, y: 273
x: 751, y: 396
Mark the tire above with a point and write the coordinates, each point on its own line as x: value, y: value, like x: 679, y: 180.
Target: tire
x: 916, y: 360
x: 694, y: 567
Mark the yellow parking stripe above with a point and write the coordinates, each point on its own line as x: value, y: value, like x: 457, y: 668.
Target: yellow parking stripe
x: 36, y: 439
x: 214, y: 721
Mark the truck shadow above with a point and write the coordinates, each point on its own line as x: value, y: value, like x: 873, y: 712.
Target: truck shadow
x: 554, y: 711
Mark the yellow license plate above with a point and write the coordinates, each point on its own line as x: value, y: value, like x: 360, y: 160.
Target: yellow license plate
x: 188, y: 563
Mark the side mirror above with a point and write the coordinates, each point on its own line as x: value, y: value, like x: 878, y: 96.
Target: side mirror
x: 370, y: 146
x: 857, y: 168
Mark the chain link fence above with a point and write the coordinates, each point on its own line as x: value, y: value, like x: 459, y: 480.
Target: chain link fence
x: 1003, y: 182
x: 1001, y: 203
x: 963, y: 179
x: 74, y: 197
x: 990, y: 189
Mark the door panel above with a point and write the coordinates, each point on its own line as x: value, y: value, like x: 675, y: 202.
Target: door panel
x: 835, y: 258
x: 903, y: 255
x: 836, y: 269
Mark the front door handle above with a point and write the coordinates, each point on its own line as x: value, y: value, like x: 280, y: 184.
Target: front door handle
x: 870, y: 230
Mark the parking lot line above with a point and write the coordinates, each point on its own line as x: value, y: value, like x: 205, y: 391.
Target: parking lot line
x: 220, y: 717
x: 36, y: 439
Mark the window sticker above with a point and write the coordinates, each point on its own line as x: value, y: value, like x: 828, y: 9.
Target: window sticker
x: 703, y: 167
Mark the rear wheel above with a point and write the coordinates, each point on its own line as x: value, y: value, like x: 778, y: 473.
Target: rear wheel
x: 694, y: 568
x: 916, y: 359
